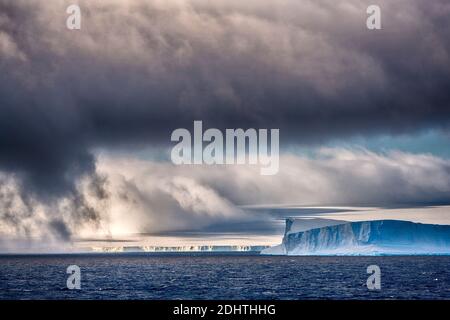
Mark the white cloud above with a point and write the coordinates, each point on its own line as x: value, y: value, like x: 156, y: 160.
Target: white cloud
x: 142, y: 196
x: 172, y: 197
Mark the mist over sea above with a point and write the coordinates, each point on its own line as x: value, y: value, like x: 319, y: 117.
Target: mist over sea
x: 222, y: 276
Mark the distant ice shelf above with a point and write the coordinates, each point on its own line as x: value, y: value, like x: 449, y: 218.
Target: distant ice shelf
x: 179, y: 249
x: 369, y: 238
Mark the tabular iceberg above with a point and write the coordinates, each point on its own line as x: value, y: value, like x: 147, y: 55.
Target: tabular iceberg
x: 379, y: 237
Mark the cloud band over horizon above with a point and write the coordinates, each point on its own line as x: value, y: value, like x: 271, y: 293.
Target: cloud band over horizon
x: 139, y: 69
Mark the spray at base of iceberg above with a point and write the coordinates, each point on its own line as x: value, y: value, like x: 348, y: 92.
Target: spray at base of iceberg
x: 379, y: 237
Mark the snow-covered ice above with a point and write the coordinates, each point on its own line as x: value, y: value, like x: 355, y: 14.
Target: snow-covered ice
x: 379, y: 237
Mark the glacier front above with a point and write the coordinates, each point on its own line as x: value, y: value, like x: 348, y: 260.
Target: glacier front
x: 379, y: 237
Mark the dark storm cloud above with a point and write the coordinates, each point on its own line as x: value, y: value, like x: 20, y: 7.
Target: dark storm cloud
x: 137, y: 70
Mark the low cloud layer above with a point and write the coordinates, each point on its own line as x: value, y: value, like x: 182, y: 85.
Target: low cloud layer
x: 331, y: 177
x: 159, y: 198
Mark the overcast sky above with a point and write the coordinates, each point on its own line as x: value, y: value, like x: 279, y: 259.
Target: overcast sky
x: 86, y: 115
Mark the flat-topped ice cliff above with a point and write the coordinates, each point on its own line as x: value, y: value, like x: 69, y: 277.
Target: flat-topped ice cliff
x: 380, y: 237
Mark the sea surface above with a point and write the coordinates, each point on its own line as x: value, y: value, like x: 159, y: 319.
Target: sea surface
x: 222, y: 276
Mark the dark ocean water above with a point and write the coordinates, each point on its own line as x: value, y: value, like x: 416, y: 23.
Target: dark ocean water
x: 139, y: 276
